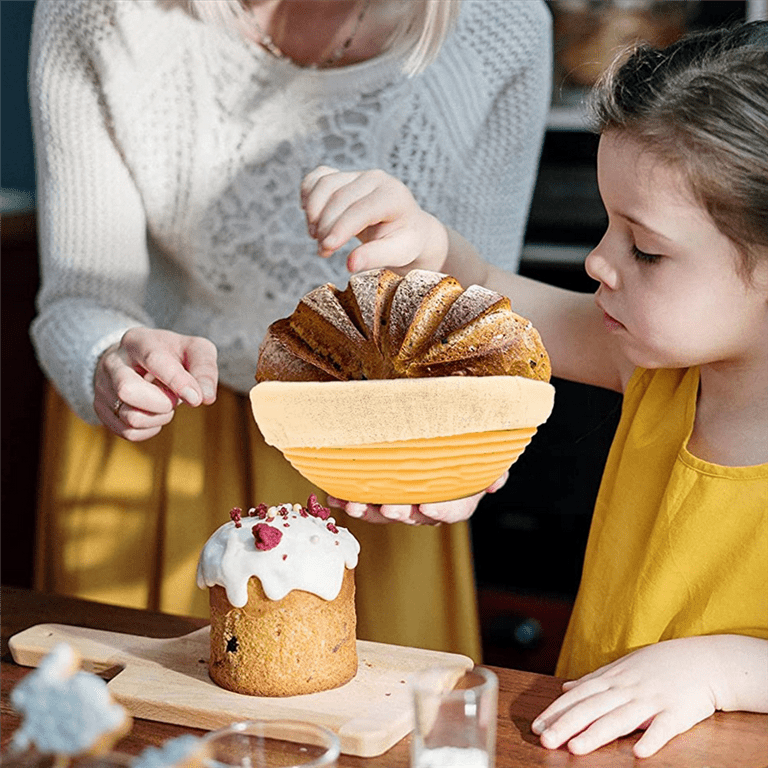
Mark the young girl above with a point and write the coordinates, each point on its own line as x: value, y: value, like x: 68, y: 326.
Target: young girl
x: 671, y: 620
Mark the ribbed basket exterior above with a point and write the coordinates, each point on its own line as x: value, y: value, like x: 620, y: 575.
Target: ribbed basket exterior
x: 412, y: 471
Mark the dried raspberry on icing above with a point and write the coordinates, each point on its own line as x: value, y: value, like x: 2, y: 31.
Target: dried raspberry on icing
x: 316, y: 509
x: 260, y: 511
x: 266, y: 536
x: 236, y: 514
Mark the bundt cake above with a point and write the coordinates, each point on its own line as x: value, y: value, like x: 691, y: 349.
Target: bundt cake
x: 282, y: 600
x: 402, y: 390
x: 384, y: 326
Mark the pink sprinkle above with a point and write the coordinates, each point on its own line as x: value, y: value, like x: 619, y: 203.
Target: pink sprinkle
x: 266, y: 536
x: 285, y: 557
x: 332, y: 528
x: 316, y: 509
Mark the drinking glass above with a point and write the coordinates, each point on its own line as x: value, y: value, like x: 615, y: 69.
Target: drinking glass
x: 272, y: 744
x: 454, y: 718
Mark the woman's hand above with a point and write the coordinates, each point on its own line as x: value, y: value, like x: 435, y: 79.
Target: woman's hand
x: 665, y: 689
x: 380, y: 211
x: 417, y: 514
x: 139, y: 382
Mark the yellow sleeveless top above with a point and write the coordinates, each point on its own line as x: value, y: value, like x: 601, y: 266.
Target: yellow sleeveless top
x: 678, y: 546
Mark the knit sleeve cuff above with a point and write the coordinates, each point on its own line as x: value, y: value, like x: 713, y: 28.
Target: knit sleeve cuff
x: 69, y: 341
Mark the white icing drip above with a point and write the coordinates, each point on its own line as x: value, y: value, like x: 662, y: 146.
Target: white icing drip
x: 64, y: 711
x: 309, y: 557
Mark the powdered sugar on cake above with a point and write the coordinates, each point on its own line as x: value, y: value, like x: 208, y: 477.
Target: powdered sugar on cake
x: 310, y: 553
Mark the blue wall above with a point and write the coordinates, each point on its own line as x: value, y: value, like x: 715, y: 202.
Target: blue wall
x: 18, y: 165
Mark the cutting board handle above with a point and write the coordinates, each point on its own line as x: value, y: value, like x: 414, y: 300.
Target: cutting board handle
x: 99, y: 650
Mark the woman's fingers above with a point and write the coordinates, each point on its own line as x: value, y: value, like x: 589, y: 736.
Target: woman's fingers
x: 129, y: 422
x: 118, y: 381
x: 139, y: 382
x: 166, y: 356
x: 200, y: 361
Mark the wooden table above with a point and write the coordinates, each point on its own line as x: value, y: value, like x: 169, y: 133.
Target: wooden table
x: 734, y: 740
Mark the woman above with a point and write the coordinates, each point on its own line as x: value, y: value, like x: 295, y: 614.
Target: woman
x: 171, y: 142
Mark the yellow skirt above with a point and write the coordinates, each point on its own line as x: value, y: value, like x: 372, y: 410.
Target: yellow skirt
x: 124, y: 523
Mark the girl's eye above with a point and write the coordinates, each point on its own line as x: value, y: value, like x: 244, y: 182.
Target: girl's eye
x: 643, y: 257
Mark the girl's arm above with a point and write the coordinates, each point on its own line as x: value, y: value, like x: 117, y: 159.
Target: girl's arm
x: 569, y: 322
x: 396, y: 233
x: 664, y: 689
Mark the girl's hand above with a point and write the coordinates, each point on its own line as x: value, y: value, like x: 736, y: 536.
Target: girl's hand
x: 417, y: 514
x: 665, y: 688
x: 139, y: 382
x: 380, y: 211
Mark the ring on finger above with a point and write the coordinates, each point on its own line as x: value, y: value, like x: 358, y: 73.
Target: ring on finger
x: 117, y: 406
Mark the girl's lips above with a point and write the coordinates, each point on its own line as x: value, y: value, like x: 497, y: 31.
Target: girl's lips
x: 611, y: 323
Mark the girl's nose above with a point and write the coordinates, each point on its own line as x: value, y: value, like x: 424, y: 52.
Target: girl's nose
x: 599, y: 267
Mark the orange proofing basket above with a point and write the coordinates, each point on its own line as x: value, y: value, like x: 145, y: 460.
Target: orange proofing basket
x: 402, y: 441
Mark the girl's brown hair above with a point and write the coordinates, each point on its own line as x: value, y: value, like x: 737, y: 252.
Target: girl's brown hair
x: 702, y: 104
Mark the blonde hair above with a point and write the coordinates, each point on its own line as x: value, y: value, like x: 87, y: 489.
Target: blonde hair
x: 423, y: 27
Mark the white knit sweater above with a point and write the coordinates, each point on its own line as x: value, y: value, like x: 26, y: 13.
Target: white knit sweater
x: 170, y: 155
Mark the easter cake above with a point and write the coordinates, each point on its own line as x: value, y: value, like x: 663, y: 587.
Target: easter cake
x: 282, y: 600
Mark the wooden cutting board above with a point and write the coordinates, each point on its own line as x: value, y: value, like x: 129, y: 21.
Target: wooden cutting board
x: 167, y: 680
